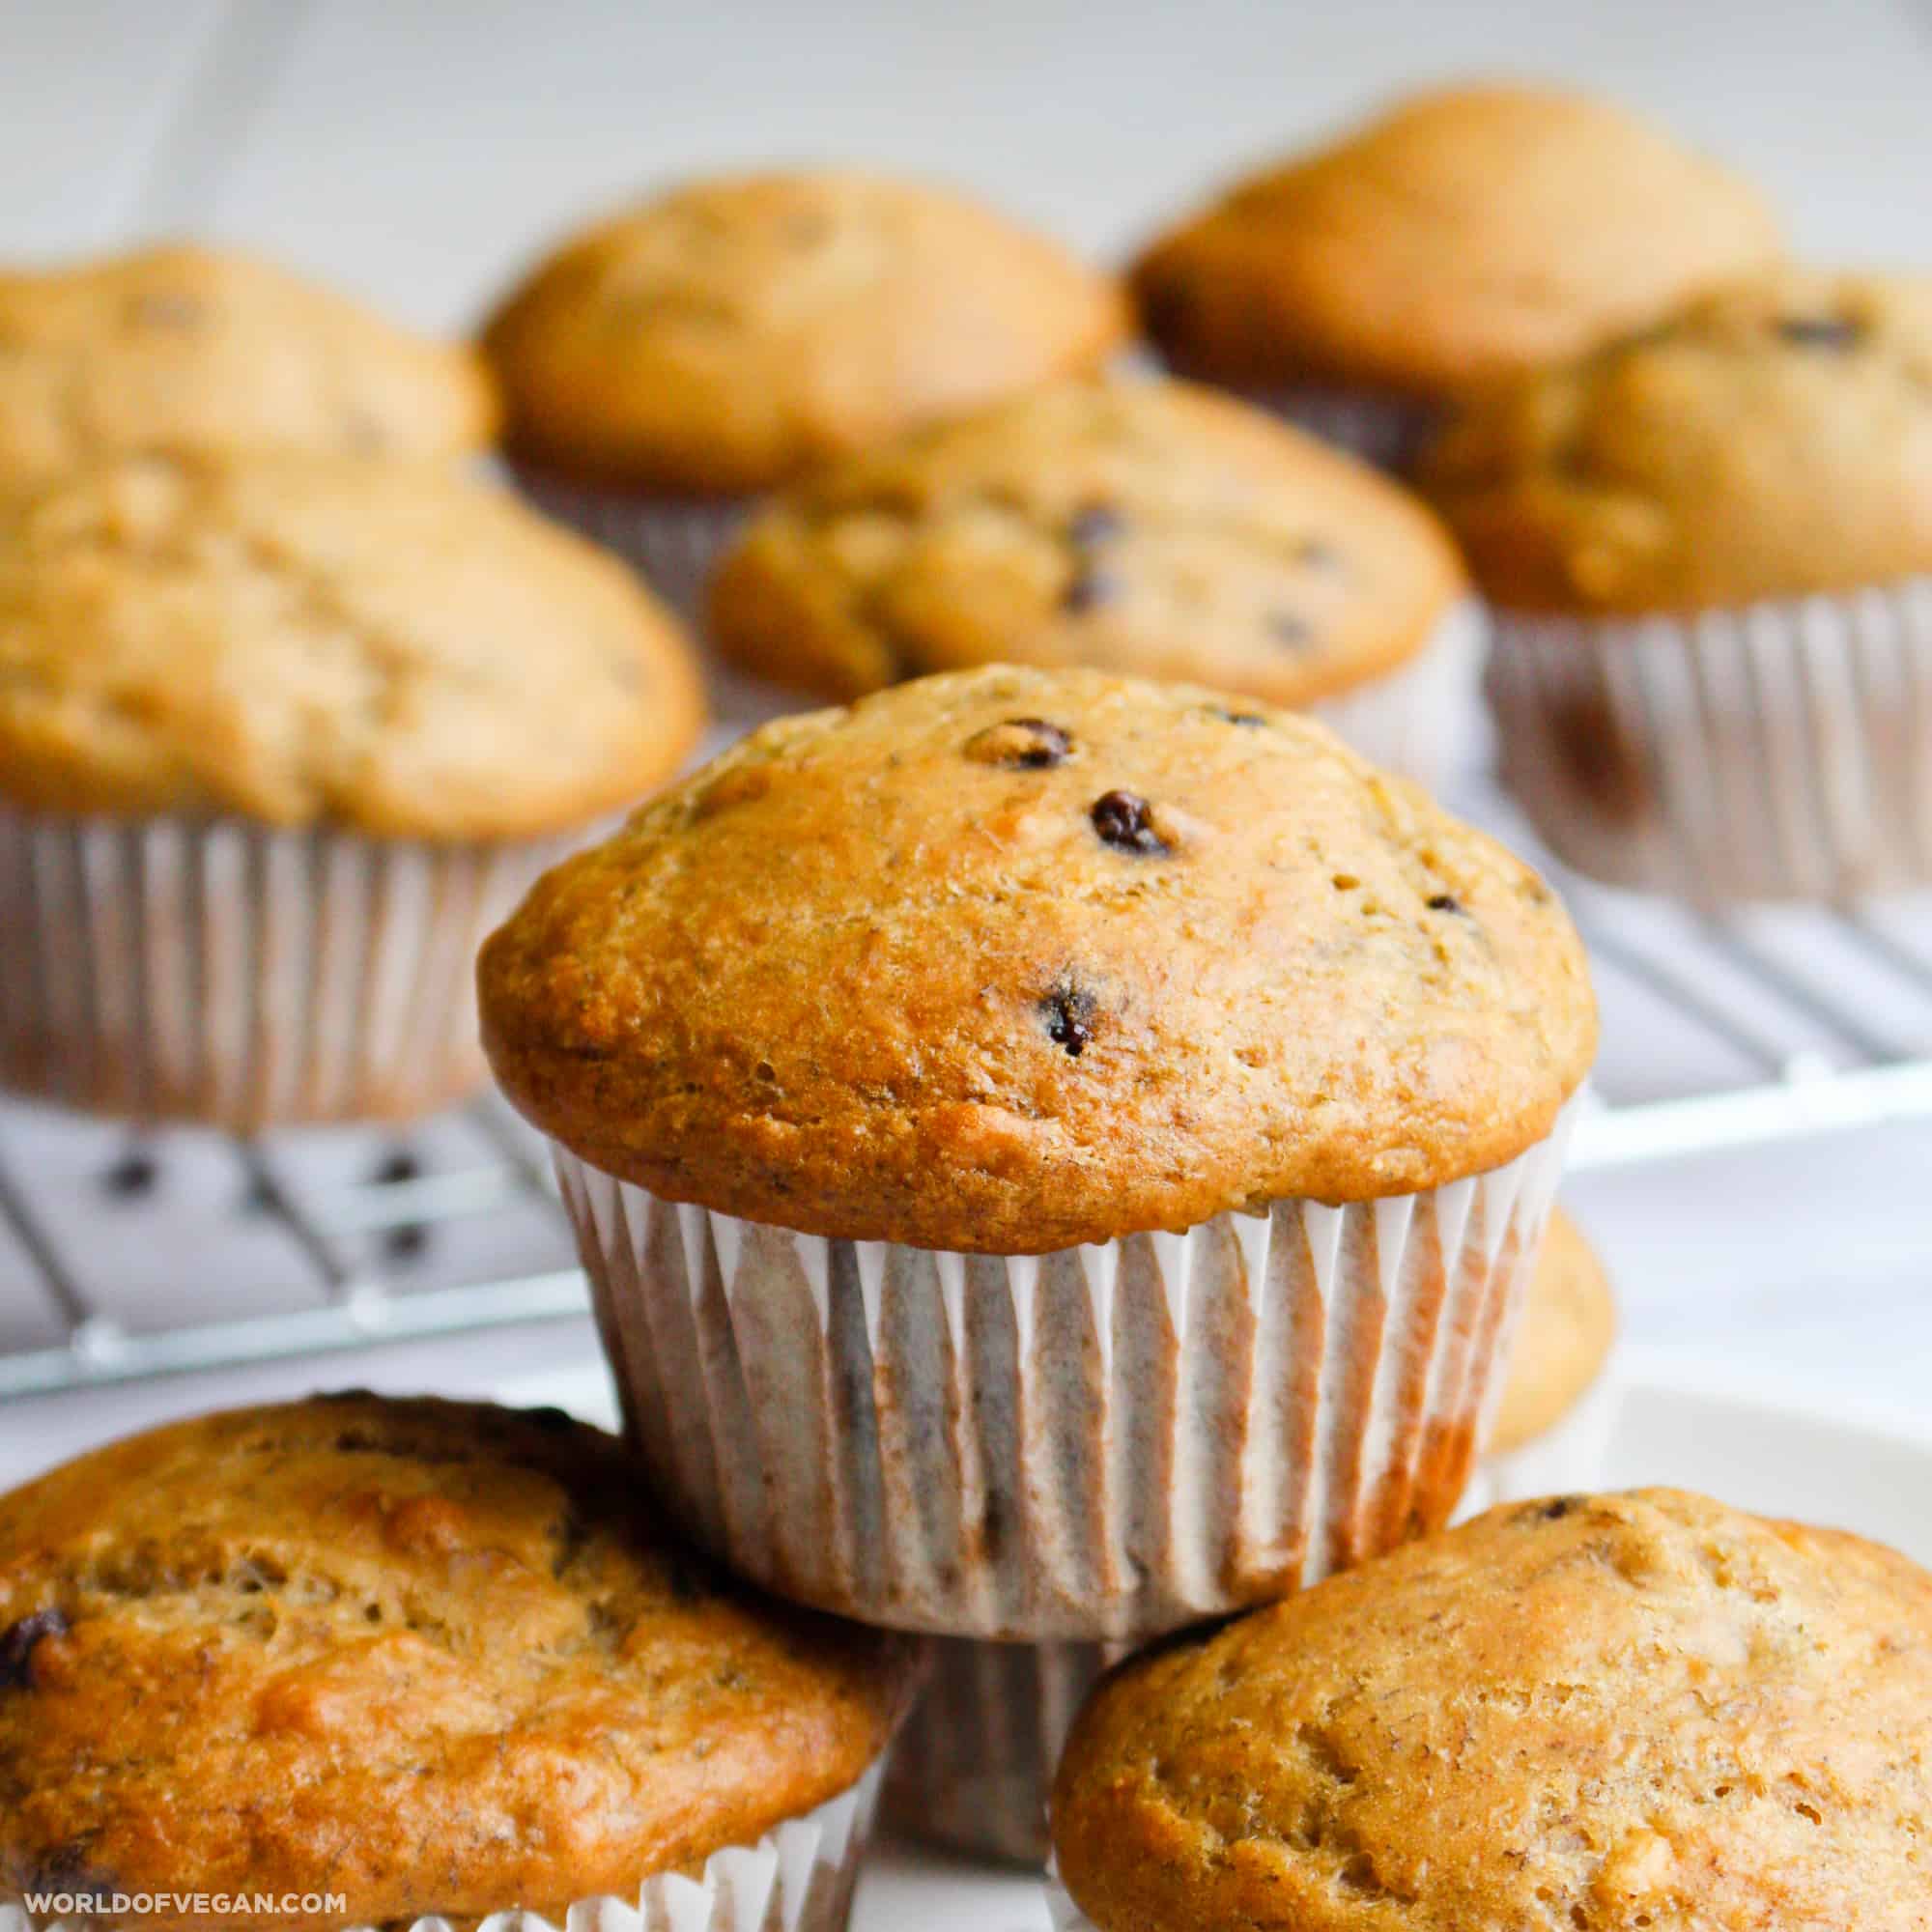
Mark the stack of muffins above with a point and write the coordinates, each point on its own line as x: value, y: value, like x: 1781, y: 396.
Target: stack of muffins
x: 1062, y: 1159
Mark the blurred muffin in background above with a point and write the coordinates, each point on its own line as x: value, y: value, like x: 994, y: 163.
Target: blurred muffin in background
x: 1147, y: 528
x: 1709, y: 546
x: 184, y: 348
x: 1464, y: 235
x: 673, y: 362
x: 280, y: 739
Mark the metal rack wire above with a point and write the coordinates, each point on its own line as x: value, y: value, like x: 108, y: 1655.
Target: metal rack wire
x: 1720, y: 1034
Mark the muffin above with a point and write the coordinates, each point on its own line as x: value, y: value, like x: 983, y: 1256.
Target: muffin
x: 180, y: 350
x: 667, y: 365
x: 1054, y: 1153
x: 1467, y: 235
x: 281, y: 738
x: 976, y: 1762
x: 1709, y: 550
x: 418, y: 1657
x: 1612, y: 1712
x: 1147, y: 528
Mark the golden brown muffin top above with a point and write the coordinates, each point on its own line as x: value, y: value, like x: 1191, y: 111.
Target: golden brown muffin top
x: 1608, y: 1713
x: 374, y: 643
x: 1464, y: 235
x: 1568, y: 1322
x: 1006, y: 960
x: 437, y: 1658
x: 182, y: 349
x: 1147, y: 528
x: 1771, y: 441
x: 727, y: 334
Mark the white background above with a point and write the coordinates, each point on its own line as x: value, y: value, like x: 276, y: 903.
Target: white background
x: 419, y: 153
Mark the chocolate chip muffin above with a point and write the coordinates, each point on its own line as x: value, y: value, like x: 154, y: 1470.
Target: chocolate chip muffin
x: 1009, y: 1030
x: 1465, y: 235
x: 1710, y: 547
x: 1148, y: 527
x: 426, y: 1656
x: 722, y: 337
x: 1610, y: 1712
x: 184, y: 349
x: 280, y: 738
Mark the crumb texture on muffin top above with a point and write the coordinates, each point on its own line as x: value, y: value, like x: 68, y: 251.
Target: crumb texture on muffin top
x: 1147, y: 528
x: 1568, y: 1322
x: 1006, y: 960
x: 182, y: 348
x: 1774, y: 440
x: 1600, y: 1713
x: 1464, y: 235
x: 367, y: 642
x: 437, y: 1658
x: 729, y: 333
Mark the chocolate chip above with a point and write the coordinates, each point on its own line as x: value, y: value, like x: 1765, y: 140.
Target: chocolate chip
x: 132, y: 1176
x: 1095, y: 523
x: 1088, y: 590
x: 1555, y: 1509
x: 1444, y: 902
x: 1820, y: 331
x: 1284, y: 627
x: 1027, y: 743
x: 1250, y: 719
x: 1124, y: 820
x: 1069, y: 1009
x: 16, y: 1647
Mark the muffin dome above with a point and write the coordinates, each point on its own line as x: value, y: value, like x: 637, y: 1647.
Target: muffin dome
x: 1140, y: 527
x: 184, y: 349
x: 1773, y: 440
x: 449, y: 1645
x: 1568, y: 1322
x: 728, y: 334
x: 1007, y: 961
x: 296, y: 640
x: 1465, y: 235
x: 1607, y: 1712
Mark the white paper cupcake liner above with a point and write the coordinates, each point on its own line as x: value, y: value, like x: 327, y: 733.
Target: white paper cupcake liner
x: 975, y: 1763
x: 243, y: 977
x: 799, y: 1878
x: 672, y: 542
x: 1103, y: 1443
x: 1565, y: 1459
x: 1380, y: 426
x: 1423, y: 717
x: 1782, y: 750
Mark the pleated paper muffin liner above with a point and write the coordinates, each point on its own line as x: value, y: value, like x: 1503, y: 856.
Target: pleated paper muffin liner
x: 1422, y: 718
x: 1565, y: 1459
x: 1381, y: 426
x: 1103, y: 1443
x: 241, y: 976
x: 1779, y: 750
x: 798, y: 1878
x: 975, y: 1764
x: 672, y: 542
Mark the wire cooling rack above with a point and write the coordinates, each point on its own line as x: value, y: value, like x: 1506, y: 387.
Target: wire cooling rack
x: 124, y: 1256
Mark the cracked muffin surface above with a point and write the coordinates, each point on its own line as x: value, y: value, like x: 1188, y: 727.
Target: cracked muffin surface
x: 1464, y: 234
x: 1591, y: 1712
x: 729, y: 333
x: 437, y: 1658
x: 1771, y: 441
x: 365, y: 642
x: 1142, y: 527
x: 178, y: 349
x: 1007, y: 960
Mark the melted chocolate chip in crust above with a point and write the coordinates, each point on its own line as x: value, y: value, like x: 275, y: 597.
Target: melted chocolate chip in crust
x: 1027, y: 743
x: 1124, y: 820
x: 1069, y: 1009
x: 1284, y: 627
x: 16, y: 1646
x: 1444, y: 902
x: 1555, y: 1509
x: 1251, y: 720
x: 1095, y: 523
x: 1820, y: 331
x: 1088, y: 590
